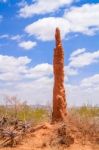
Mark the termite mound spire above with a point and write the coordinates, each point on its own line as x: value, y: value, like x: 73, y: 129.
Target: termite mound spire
x: 59, y: 98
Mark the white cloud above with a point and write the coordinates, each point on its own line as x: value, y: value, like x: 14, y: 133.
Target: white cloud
x: 17, y: 78
x: 84, y: 19
x: 42, y: 7
x: 92, y: 81
x: 69, y: 71
x: 12, y: 68
x: 77, y: 95
x: 27, y: 45
x: 35, y: 84
x: 77, y: 52
x: 16, y: 37
x: 83, y: 59
x: 11, y: 37
x: 40, y: 70
x: 38, y: 91
x: 79, y: 59
x: 16, y: 68
x: 44, y: 28
x: 84, y: 93
x: 19, y: 69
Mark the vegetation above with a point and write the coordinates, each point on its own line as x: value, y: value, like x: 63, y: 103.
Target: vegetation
x: 85, y: 111
x: 26, y: 113
x: 18, y: 119
x: 14, y: 108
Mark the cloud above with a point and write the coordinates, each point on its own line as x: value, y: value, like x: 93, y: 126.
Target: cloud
x: 77, y: 52
x: 17, y: 78
x: 92, y: 81
x: 78, y: 95
x: 39, y: 70
x: 69, y: 71
x: 79, y: 59
x: 16, y: 37
x: 42, y: 7
x: 38, y: 91
x: 87, y: 92
x: 35, y: 84
x: 84, y: 19
x: 17, y: 68
x: 12, y: 68
x: 44, y: 28
x: 27, y: 45
x: 11, y: 37
x: 83, y: 58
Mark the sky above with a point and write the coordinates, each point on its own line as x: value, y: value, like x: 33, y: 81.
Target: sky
x: 27, y: 43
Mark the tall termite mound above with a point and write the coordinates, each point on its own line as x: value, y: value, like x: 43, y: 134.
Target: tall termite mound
x: 59, y: 98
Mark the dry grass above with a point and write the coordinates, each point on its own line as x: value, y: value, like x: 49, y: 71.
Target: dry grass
x: 86, y: 124
x: 81, y: 125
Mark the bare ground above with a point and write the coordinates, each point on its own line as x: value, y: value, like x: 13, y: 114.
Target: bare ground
x: 52, y: 137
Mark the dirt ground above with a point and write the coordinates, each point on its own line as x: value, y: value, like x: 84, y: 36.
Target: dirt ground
x: 45, y: 138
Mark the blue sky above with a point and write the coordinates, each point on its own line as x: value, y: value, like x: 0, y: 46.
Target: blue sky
x: 26, y: 49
